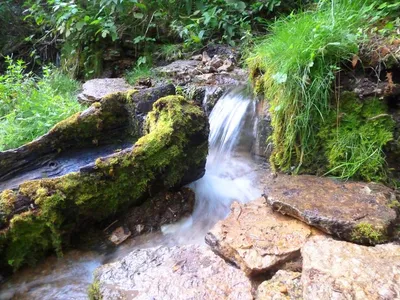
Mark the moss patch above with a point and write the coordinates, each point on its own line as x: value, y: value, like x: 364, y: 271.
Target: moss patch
x: 353, y: 137
x: 176, y: 141
x: 366, y: 233
x: 94, y: 291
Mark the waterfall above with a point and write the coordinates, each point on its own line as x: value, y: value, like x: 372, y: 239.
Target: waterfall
x: 231, y: 174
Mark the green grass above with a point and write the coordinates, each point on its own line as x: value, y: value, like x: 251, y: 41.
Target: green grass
x: 295, y: 67
x: 30, y: 106
x: 138, y: 73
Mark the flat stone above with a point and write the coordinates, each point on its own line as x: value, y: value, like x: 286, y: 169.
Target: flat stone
x: 187, y: 272
x: 283, y: 285
x: 341, y: 270
x: 257, y: 239
x: 353, y: 211
x: 94, y: 90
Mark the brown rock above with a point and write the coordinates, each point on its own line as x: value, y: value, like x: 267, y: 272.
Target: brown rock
x: 216, y: 62
x: 257, y: 239
x: 340, y: 270
x: 352, y: 211
x: 187, y: 272
x: 119, y: 235
x: 282, y: 286
x: 227, y: 66
x: 205, y: 57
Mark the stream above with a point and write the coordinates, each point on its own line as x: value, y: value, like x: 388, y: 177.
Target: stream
x: 231, y: 174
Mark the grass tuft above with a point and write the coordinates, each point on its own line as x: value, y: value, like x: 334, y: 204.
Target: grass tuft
x: 295, y: 66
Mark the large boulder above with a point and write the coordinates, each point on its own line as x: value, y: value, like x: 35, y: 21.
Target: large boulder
x: 353, y: 211
x: 341, y: 270
x: 186, y: 272
x: 41, y: 215
x: 257, y: 239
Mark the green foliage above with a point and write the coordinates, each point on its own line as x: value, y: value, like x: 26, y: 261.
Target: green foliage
x: 87, y: 28
x: 355, y: 136
x: 30, y: 106
x: 228, y: 20
x: 295, y: 69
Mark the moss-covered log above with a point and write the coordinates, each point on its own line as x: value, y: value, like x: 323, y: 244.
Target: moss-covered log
x: 171, y: 153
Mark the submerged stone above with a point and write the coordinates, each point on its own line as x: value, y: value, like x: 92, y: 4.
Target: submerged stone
x: 186, y: 272
x: 257, y: 239
x: 341, y: 270
x: 41, y: 215
x: 353, y: 211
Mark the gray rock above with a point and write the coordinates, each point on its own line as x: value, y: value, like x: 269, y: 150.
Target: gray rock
x: 257, y: 239
x: 178, y: 67
x: 187, y: 272
x: 353, y: 211
x: 283, y: 285
x: 94, y: 90
x: 340, y: 270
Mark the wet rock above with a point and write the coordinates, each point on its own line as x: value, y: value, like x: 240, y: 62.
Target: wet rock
x: 119, y: 235
x: 94, y: 90
x: 283, y: 285
x: 262, y: 146
x: 353, y: 211
x: 206, y: 96
x: 164, y: 208
x: 257, y: 239
x: 187, y: 272
x: 341, y: 270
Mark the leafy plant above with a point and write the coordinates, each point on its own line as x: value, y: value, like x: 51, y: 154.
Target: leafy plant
x: 30, y: 106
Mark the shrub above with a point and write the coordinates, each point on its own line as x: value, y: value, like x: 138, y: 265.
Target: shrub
x: 30, y: 106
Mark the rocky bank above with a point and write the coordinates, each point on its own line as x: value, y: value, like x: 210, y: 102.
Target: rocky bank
x: 261, y: 252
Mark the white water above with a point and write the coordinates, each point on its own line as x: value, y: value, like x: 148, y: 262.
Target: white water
x: 231, y: 175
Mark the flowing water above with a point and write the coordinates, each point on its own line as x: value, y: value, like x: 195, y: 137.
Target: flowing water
x: 231, y: 174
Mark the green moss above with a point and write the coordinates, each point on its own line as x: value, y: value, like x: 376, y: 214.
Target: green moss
x: 94, y: 291
x: 367, y: 233
x: 176, y: 140
x: 353, y: 137
x: 7, y: 200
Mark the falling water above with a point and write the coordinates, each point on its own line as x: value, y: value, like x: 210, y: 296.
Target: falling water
x: 231, y: 175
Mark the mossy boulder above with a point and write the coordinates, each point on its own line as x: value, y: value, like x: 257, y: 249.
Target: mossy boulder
x: 41, y: 215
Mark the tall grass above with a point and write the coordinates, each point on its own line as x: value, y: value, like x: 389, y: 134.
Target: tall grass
x: 295, y: 68
x: 30, y: 106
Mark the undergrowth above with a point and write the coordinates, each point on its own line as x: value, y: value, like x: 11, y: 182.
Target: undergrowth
x: 31, y: 105
x: 295, y: 69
